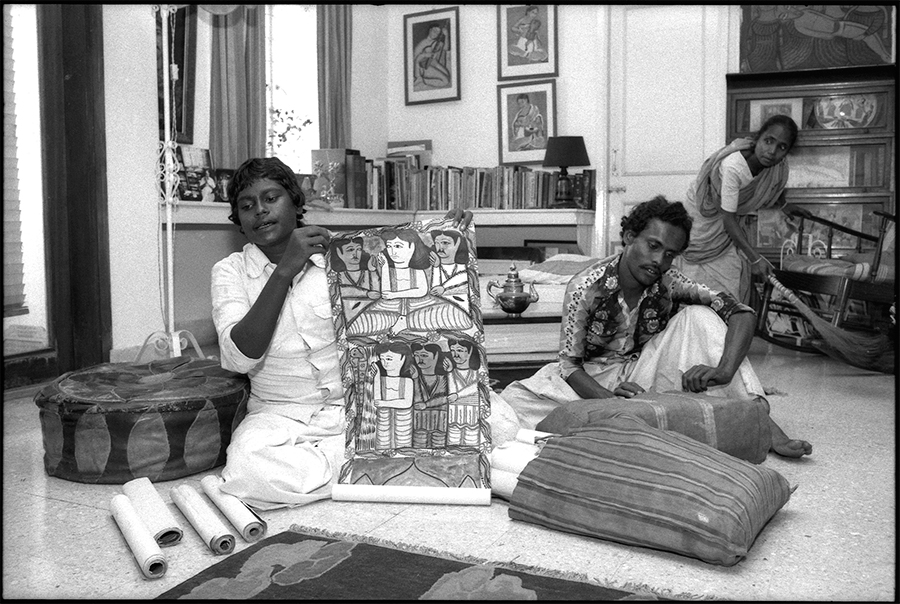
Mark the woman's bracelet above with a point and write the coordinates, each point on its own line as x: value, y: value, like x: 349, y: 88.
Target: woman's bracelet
x: 757, y: 260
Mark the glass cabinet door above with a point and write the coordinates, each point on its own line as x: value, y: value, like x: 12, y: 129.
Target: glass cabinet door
x: 844, y: 165
x: 850, y: 113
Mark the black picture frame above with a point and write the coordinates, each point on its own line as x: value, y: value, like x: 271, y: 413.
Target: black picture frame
x: 527, y: 41
x: 427, y: 78
x: 542, y: 95
x: 183, y: 54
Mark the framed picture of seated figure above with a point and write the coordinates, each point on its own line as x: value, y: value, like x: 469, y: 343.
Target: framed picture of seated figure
x: 526, y: 41
x: 431, y: 56
x: 526, y: 118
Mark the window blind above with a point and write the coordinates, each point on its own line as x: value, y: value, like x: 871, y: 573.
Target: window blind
x: 13, y: 268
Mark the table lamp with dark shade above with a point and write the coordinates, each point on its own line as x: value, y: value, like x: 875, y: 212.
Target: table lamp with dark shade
x: 565, y: 152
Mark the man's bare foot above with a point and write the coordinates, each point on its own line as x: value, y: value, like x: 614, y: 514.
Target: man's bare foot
x: 792, y: 448
x: 788, y: 447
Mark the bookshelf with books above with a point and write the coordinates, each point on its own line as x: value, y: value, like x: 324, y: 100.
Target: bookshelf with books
x: 398, y: 183
x: 509, y: 202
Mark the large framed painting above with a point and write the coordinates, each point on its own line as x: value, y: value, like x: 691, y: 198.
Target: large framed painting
x: 182, y: 45
x: 406, y: 307
x: 789, y: 37
x: 526, y: 114
x: 431, y: 56
x: 526, y: 41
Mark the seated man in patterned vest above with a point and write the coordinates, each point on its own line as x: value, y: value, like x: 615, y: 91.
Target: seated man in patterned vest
x: 631, y: 323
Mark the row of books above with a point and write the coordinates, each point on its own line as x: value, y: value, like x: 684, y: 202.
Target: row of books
x: 402, y: 182
x: 398, y: 184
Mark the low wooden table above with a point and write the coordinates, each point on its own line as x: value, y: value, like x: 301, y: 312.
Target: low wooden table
x: 531, y: 338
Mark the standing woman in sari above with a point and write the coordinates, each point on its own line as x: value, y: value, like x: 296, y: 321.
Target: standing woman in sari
x: 737, y: 180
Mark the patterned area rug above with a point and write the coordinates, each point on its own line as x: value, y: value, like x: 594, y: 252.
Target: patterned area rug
x: 296, y: 565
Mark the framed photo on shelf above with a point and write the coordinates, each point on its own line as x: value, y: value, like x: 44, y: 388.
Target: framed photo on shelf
x: 763, y: 109
x: 223, y: 179
x: 195, y: 178
x: 431, y: 56
x: 182, y: 45
x: 526, y: 41
x: 526, y: 115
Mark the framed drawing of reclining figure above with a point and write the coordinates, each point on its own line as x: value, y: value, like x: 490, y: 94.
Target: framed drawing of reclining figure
x: 406, y: 309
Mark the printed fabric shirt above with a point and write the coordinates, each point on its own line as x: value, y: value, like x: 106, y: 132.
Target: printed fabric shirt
x: 598, y: 327
x: 298, y: 373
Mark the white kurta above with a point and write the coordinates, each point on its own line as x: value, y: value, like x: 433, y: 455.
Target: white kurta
x: 289, y: 447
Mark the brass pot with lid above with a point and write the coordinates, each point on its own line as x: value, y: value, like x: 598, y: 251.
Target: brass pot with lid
x: 512, y: 298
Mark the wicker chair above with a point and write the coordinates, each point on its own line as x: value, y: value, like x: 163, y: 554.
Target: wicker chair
x: 856, y: 291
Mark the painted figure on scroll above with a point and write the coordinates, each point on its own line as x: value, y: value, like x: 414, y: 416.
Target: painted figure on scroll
x: 432, y: 395
x: 737, y: 180
x: 406, y: 303
x: 463, y: 413
x: 272, y: 312
x: 357, y: 273
x: 450, y: 277
x: 392, y: 393
x: 623, y: 332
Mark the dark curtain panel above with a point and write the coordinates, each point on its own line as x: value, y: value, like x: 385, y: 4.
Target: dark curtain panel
x: 238, y: 103
x: 335, y: 27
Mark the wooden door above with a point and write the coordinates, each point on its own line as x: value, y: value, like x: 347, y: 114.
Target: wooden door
x: 667, y: 102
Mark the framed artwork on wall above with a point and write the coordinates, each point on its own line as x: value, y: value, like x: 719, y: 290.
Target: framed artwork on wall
x: 526, y: 41
x: 526, y: 115
x: 182, y: 45
x: 786, y: 37
x: 431, y: 56
x: 763, y: 109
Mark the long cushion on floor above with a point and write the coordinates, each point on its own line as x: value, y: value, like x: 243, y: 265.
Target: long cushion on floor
x: 625, y: 481
x: 114, y: 422
x: 739, y: 427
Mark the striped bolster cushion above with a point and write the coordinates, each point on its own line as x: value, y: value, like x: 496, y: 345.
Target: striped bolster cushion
x: 628, y: 482
x: 739, y: 427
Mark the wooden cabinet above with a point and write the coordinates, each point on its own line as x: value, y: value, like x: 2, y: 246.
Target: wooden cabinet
x: 842, y: 165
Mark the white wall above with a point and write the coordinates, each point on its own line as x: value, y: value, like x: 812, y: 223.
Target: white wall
x: 129, y: 42
x: 464, y: 132
x: 137, y: 249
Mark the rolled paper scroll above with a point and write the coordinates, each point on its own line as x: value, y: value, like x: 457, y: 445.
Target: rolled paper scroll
x: 203, y: 518
x: 503, y: 483
x: 525, y: 435
x: 513, y: 456
x: 143, y: 546
x: 248, y: 524
x: 151, y: 508
x: 405, y: 494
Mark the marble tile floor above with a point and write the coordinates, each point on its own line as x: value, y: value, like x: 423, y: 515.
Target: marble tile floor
x: 835, y: 540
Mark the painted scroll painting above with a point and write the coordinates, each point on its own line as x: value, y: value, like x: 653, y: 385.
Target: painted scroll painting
x: 406, y: 309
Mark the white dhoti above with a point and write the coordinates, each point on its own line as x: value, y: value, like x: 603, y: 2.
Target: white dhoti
x: 275, y: 461
x: 694, y: 336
